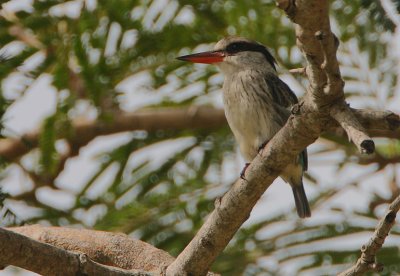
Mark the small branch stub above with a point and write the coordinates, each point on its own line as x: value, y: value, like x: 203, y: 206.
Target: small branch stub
x: 355, y: 131
x: 367, y: 147
x: 300, y: 71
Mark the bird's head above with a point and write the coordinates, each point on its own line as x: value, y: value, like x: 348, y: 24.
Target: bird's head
x: 233, y: 54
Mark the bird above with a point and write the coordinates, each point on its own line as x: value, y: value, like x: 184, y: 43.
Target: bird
x: 256, y: 103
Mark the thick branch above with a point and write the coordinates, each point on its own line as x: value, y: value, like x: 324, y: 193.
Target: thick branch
x: 311, y: 18
x: 367, y: 260
x: 311, y: 118
x: 319, y: 45
x: 234, y: 208
x: 46, y: 259
x: 111, y: 249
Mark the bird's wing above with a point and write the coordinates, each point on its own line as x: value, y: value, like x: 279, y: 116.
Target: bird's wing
x: 280, y: 91
x: 284, y: 98
x: 280, y: 117
x: 281, y: 114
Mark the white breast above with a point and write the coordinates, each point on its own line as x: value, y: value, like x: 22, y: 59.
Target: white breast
x: 249, y: 115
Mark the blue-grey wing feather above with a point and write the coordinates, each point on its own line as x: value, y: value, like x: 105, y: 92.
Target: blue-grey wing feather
x: 283, y: 96
x: 281, y: 93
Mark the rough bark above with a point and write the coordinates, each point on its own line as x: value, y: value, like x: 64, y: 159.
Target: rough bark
x: 322, y: 108
x: 235, y: 206
x: 65, y: 251
x: 46, y: 259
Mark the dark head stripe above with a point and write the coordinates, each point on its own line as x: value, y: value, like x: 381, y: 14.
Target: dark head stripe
x: 242, y: 46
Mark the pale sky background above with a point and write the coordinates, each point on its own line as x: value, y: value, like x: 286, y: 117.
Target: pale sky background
x: 40, y: 101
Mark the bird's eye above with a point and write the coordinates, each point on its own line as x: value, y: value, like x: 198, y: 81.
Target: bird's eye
x: 234, y: 47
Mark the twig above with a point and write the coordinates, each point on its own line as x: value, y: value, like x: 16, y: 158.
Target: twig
x: 20, y: 33
x: 378, y: 159
x: 367, y: 261
x: 300, y: 71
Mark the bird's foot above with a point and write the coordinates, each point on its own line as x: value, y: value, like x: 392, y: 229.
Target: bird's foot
x: 261, y: 147
x: 243, y: 172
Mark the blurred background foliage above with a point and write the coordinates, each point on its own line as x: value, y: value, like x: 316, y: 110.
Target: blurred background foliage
x: 106, y: 57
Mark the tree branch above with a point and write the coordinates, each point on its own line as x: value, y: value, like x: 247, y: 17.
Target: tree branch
x: 110, y: 249
x: 355, y: 131
x: 47, y: 259
x: 367, y: 261
x: 319, y: 45
x: 234, y: 208
x: 323, y: 106
x: 379, y: 159
x: 149, y: 120
x: 377, y: 123
x: 309, y: 119
x: 330, y: 66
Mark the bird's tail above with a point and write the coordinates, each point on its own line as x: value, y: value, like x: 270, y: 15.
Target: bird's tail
x: 300, y: 199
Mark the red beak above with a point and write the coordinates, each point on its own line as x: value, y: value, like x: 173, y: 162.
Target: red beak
x: 205, y: 57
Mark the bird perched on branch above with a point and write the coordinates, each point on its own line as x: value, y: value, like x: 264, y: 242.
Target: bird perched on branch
x: 256, y: 103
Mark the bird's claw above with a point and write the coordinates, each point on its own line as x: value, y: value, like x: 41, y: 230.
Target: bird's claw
x: 243, y: 172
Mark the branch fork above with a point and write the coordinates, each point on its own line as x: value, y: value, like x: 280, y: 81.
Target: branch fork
x: 322, y: 106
